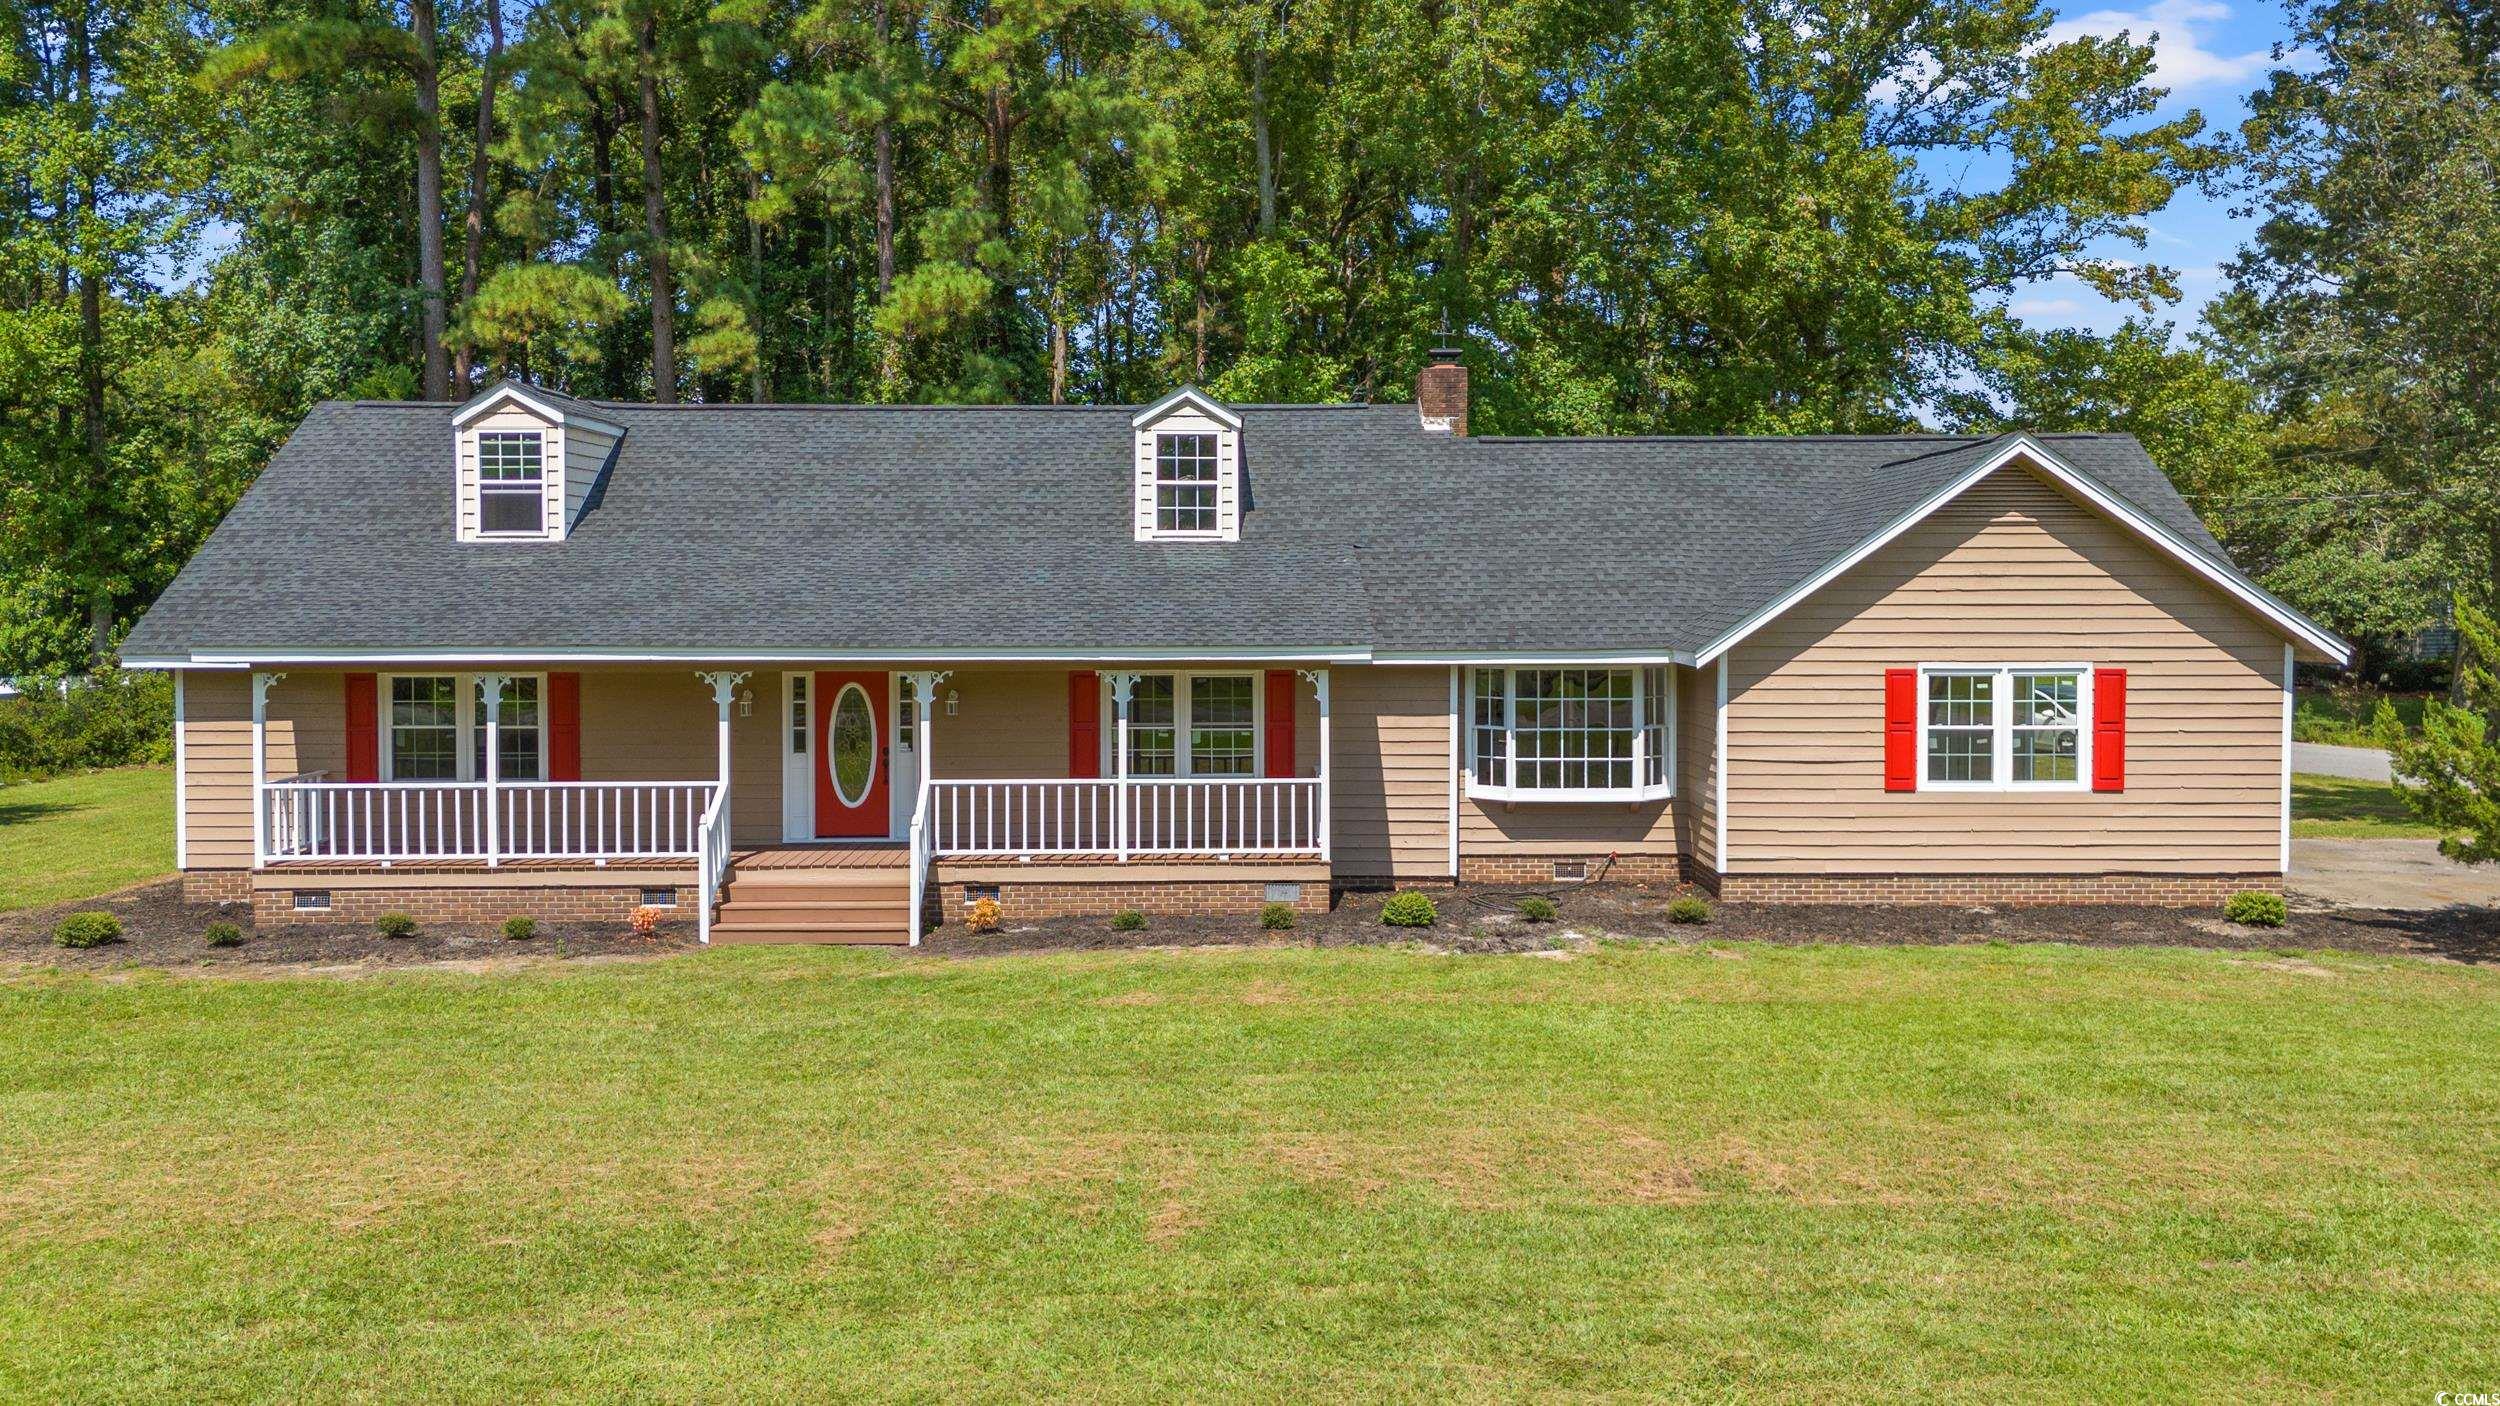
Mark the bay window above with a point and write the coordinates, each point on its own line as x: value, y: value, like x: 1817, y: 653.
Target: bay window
x: 2003, y: 727
x: 1571, y: 734
x: 1194, y: 725
x: 438, y: 728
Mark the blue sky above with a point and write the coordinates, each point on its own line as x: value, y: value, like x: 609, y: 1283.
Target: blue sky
x: 2210, y: 54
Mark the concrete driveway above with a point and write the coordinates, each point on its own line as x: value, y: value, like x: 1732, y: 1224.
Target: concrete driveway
x: 2357, y: 763
x: 2395, y: 875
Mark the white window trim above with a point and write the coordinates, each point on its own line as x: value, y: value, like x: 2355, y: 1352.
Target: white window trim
x: 465, y: 722
x: 1182, y: 681
x: 2001, y: 727
x: 1637, y: 792
x: 547, y: 478
x: 1215, y: 486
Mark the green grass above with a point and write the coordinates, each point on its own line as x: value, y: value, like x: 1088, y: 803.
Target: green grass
x: 2332, y: 807
x: 2341, y: 717
x: 1281, y: 1175
x: 75, y: 836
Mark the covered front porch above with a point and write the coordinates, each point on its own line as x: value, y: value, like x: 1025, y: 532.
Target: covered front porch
x: 917, y: 774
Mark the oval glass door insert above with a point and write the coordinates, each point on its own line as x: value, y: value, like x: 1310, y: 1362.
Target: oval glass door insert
x: 852, y: 750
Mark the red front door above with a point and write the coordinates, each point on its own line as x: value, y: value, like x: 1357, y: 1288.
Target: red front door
x: 852, y: 787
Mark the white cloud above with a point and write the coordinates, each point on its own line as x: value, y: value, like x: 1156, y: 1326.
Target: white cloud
x: 2046, y: 307
x: 2181, y: 60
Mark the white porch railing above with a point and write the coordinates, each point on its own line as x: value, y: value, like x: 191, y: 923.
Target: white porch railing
x: 1123, y: 817
x: 406, y: 821
x: 712, y: 855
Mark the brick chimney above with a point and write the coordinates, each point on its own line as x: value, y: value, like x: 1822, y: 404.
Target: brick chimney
x: 1441, y: 393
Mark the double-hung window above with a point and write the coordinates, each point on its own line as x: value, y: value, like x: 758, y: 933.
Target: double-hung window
x: 438, y: 728
x: 511, y: 483
x: 2003, y: 727
x: 1194, y: 725
x: 1185, y: 483
x: 1571, y: 734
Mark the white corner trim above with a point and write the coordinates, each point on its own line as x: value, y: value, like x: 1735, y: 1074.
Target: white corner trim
x: 2287, y: 761
x: 1192, y: 398
x: 2290, y: 621
x: 495, y: 397
x: 182, y: 787
x: 1457, y: 765
x: 1719, y: 788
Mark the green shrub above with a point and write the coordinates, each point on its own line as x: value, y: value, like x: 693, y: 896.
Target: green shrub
x: 223, y: 934
x: 520, y: 929
x: 1276, y: 917
x: 93, y: 928
x: 1409, y: 910
x: 1128, y: 920
x: 2250, y: 908
x: 1689, y: 909
x: 112, y: 719
x: 1538, y: 910
x: 395, y: 925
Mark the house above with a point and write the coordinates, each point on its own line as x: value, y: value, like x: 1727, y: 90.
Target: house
x: 810, y: 668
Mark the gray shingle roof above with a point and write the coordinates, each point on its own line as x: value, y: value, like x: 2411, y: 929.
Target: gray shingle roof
x: 750, y: 529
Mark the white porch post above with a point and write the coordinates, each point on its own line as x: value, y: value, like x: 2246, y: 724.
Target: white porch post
x: 1120, y: 686
x: 490, y: 689
x: 924, y: 687
x: 1319, y: 685
x: 261, y: 684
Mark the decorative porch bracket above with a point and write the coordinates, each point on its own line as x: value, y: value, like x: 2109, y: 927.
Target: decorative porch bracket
x: 724, y: 692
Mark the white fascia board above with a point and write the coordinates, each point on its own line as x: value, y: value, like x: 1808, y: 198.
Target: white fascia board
x: 1192, y: 397
x: 1531, y: 659
x: 228, y: 659
x: 2285, y: 618
x: 497, y: 396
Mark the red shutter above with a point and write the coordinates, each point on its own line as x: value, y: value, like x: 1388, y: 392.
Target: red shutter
x: 1900, y: 729
x: 364, y: 737
x: 1280, y: 697
x: 2109, y: 729
x: 1084, y: 724
x: 564, y: 727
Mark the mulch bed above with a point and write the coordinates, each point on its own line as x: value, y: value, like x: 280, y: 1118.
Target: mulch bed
x: 1481, y: 919
x: 160, y: 930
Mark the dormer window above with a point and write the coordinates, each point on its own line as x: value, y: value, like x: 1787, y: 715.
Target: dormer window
x: 512, y: 483
x: 526, y: 461
x: 1188, y: 470
x: 1185, y: 484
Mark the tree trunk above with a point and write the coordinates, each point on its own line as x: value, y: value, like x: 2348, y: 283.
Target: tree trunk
x: 1260, y: 143
x: 437, y: 380
x: 885, y: 158
x: 1198, y: 281
x: 473, y: 231
x: 998, y: 185
x: 655, y: 221
x: 755, y: 273
x: 91, y: 357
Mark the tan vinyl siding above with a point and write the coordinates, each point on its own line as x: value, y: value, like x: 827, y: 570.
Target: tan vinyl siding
x: 585, y: 452
x: 1697, y: 764
x: 1391, y: 792
x: 307, y: 732
x: 2011, y: 572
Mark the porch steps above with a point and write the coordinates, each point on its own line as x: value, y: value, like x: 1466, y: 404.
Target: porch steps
x: 853, y: 906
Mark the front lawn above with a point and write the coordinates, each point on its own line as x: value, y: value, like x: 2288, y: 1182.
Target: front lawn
x: 1280, y: 1175
x: 88, y: 833
x: 2335, y: 807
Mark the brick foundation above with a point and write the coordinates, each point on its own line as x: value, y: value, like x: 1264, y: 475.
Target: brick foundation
x: 551, y: 903
x: 1161, y: 898
x: 2151, y: 890
x: 1538, y: 869
x: 216, y: 885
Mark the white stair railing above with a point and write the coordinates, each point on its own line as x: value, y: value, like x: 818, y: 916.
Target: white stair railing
x: 712, y: 856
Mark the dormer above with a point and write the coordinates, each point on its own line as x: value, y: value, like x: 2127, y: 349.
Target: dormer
x: 1187, y: 480
x: 527, y: 460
